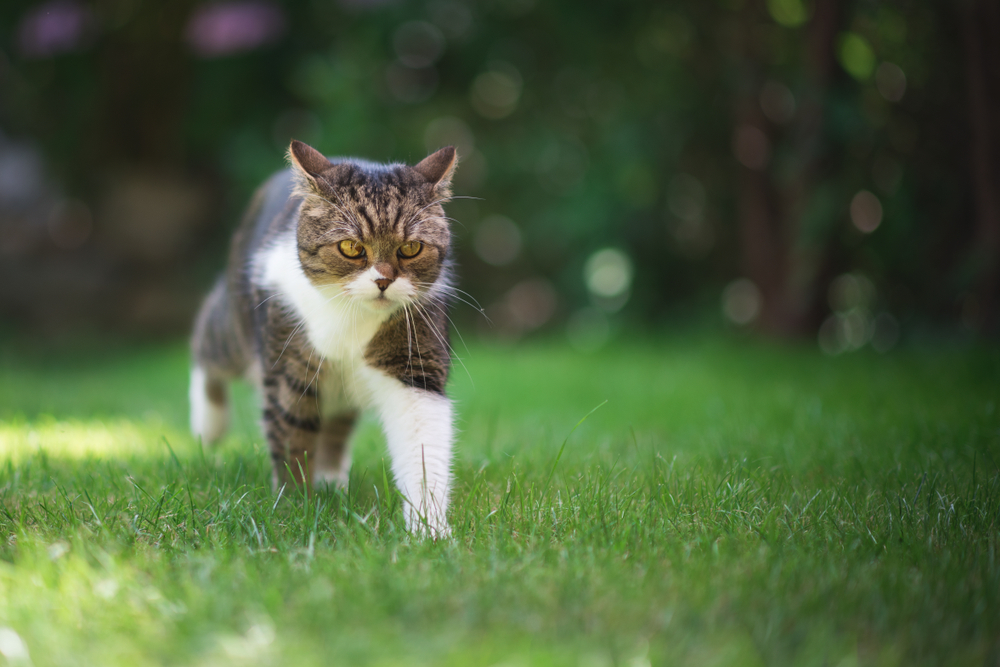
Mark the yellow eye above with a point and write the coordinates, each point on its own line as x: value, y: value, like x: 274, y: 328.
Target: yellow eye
x: 351, y: 249
x: 411, y: 249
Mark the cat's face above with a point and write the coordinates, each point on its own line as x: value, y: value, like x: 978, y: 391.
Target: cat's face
x: 377, y: 233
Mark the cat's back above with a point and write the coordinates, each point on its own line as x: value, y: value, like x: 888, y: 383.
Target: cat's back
x: 271, y: 212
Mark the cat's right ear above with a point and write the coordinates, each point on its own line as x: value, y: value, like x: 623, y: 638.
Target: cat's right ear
x: 438, y: 168
x: 307, y: 161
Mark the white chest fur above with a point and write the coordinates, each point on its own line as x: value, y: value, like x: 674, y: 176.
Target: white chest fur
x: 338, y: 327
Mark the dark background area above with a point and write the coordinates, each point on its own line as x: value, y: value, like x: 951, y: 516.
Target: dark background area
x: 824, y: 170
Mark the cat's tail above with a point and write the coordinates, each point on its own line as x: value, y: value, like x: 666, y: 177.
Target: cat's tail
x: 218, y: 356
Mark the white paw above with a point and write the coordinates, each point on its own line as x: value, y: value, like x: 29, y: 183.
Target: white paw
x: 422, y: 526
x: 434, y: 532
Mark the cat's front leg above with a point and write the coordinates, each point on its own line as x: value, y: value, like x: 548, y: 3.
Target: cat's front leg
x: 419, y: 432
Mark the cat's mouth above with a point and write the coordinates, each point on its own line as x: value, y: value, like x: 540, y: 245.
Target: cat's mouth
x: 382, y: 302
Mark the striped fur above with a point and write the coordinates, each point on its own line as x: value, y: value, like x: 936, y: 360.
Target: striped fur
x: 322, y: 339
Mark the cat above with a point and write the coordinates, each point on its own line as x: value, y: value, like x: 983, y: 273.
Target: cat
x: 336, y: 299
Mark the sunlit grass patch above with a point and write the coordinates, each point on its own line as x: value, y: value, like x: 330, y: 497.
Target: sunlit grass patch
x: 76, y: 438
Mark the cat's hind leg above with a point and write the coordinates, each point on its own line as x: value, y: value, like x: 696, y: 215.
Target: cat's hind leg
x: 209, y: 406
x: 219, y: 355
x: 333, y: 453
x: 290, y: 398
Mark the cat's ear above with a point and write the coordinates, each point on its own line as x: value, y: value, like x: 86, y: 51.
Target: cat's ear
x: 307, y: 161
x: 438, y: 168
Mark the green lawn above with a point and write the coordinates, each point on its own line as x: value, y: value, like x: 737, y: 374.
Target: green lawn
x: 731, y: 504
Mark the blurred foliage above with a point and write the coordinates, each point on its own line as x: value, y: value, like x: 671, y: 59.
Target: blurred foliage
x: 590, y: 125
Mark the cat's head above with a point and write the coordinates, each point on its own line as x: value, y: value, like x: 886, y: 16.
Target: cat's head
x: 376, y: 231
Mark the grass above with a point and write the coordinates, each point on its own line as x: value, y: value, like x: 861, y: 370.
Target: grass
x: 730, y: 504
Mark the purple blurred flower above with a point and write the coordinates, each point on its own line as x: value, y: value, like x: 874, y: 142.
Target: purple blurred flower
x: 225, y: 28
x: 52, y: 28
x: 365, y: 4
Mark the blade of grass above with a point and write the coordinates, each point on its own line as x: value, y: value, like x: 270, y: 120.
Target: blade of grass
x: 552, y: 471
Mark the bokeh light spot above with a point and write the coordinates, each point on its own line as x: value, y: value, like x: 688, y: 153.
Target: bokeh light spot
x: 851, y: 326
x: 526, y: 306
x: 842, y: 332
x: 532, y: 303
x: 851, y: 291
x: 866, y: 211
x: 22, y: 177
x: 418, y: 44
x: 856, y: 55
x: 496, y: 91
x: 228, y: 28
x: 608, y: 273
x: 777, y: 102
x: 13, y: 648
x: 741, y: 301
x: 789, y: 13
x: 751, y: 147
x: 498, y: 240
x: 686, y: 197
x: 890, y: 81
x: 53, y: 28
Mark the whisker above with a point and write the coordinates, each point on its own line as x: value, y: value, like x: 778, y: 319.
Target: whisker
x: 287, y: 341
x: 460, y: 336
x: 409, y: 341
x: 319, y: 365
x: 454, y: 294
x: 416, y: 341
x: 443, y: 217
x: 335, y: 296
x: 455, y: 291
x: 444, y: 285
x: 413, y: 217
x: 426, y: 317
x: 265, y: 300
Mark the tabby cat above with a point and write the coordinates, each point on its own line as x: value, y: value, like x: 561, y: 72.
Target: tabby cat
x: 335, y: 300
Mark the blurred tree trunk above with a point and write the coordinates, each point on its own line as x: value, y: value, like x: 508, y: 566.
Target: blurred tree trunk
x: 770, y: 212
x: 145, y: 74
x: 980, y: 27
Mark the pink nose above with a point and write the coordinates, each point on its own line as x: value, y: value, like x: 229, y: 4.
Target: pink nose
x: 383, y: 283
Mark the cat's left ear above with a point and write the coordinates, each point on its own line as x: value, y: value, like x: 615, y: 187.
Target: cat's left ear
x: 307, y: 161
x: 438, y: 169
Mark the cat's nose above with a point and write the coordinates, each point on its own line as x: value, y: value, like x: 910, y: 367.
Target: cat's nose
x: 383, y: 283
